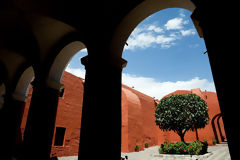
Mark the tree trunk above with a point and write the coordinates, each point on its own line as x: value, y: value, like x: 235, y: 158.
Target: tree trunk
x: 181, y: 135
x: 197, y: 134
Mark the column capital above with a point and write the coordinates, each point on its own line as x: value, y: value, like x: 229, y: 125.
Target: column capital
x: 120, y: 64
x: 123, y: 63
x: 19, y: 97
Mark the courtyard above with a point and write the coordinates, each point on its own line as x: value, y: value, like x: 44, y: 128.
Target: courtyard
x: 216, y: 152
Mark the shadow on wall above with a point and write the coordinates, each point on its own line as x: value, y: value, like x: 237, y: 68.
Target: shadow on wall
x: 217, y: 133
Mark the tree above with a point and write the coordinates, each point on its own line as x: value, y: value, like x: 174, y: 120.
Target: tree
x: 181, y: 113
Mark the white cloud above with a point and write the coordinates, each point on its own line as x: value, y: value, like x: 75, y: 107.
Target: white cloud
x: 158, y: 89
x: 141, y: 40
x: 175, y: 23
x: 188, y: 32
x: 79, y: 72
x: 151, y: 35
x: 181, y: 13
x: 145, y: 37
x: 163, y: 39
x: 152, y: 87
x: 155, y: 29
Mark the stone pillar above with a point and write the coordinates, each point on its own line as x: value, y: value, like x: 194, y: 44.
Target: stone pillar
x: 10, y: 121
x: 101, y: 114
x: 1, y: 101
x: 18, y: 102
x: 38, y: 135
x: 212, y: 21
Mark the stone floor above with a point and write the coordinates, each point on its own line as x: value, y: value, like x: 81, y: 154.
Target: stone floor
x: 218, y: 152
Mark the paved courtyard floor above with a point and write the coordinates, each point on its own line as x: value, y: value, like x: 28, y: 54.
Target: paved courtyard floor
x: 218, y: 152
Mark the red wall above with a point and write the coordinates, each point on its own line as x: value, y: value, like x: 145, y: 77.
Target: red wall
x: 69, y: 115
x: 138, y: 120
x: 206, y: 133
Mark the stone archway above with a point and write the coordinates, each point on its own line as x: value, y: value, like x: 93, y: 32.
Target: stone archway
x: 54, y: 81
x: 62, y: 59
x: 137, y: 15
x: 108, y: 15
x: 23, y: 85
x: 48, y: 89
x: 215, y: 132
x: 217, y: 128
x: 221, y: 132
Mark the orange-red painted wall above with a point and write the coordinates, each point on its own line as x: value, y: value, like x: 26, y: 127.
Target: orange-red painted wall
x: 69, y: 115
x: 138, y: 120
x: 206, y: 133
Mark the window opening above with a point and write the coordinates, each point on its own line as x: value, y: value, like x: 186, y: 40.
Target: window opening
x: 59, y: 136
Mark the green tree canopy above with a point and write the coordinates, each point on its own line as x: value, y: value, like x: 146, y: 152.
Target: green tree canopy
x: 181, y: 113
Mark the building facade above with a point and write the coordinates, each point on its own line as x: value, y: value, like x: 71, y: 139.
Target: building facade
x: 138, y: 121
x: 39, y: 38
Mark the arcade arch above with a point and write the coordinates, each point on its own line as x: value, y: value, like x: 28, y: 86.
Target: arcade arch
x: 217, y: 128
x: 107, y: 16
x: 137, y: 15
x: 23, y: 85
x: 62, y: 60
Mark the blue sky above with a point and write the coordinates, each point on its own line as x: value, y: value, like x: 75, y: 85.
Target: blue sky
x: 164, y: 54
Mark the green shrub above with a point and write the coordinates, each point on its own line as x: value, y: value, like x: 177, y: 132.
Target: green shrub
x: 160, y: 150
x: 182, y: 148
x: 174, y: 148
x: 214, y: 141
x: 137, y: 147
x: 146, y: 145
x: 204, y: 147
x: 193, y: 148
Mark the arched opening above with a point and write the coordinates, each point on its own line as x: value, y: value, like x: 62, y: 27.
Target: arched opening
x: 137, y: 15
x: 214, y: 127
x: 154, y: 33
x: 22, y: 97
x: 218, y: 128
x: 69, y: 80
x: 23, y: 85
x: 62, y: 60
x: 221, y: 129
x: 65, y: 91
x: 13, y: 107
